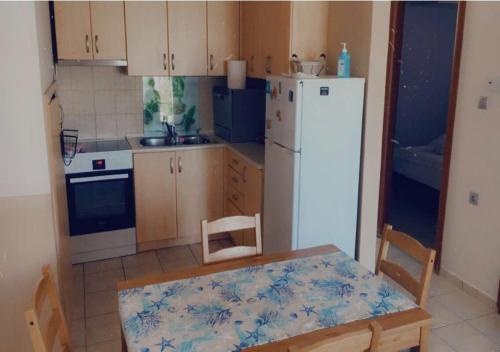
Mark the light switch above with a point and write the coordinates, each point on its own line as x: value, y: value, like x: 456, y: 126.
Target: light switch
x: 473, y: 198
x: 483, y: 103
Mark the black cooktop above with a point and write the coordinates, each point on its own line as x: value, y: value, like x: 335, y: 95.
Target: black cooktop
x: 96, y: 146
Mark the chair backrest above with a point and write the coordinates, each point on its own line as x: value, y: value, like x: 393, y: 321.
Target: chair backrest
x: 44, y: 337
x: 358, y: 341
x: 231, y: 223
x: 409, y: 245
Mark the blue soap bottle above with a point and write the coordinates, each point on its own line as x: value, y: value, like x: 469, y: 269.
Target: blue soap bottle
x: 344, y: 64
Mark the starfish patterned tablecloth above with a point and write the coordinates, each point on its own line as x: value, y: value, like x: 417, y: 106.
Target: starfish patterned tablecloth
x: 233, y: 310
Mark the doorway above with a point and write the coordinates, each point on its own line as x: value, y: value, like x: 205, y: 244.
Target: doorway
x: 422, y: 79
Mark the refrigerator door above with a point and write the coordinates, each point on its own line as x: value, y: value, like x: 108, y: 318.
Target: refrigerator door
x: 280, y: 198
x: 283, y: 112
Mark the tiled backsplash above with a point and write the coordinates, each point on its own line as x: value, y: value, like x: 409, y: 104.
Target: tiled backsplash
x: 103, y: 102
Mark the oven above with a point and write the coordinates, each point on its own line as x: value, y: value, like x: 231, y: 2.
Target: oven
x: 100, y: 201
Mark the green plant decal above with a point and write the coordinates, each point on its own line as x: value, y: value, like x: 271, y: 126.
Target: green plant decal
x: 151, y: 106
x: 188, y: 119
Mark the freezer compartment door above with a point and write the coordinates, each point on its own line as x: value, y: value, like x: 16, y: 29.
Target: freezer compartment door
x: 283, y: 112
x: 280, y: 203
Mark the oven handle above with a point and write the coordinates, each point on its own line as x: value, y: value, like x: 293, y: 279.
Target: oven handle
x: 97, y: 178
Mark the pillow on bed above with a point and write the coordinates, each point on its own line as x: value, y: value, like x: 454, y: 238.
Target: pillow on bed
x: 437, y: 145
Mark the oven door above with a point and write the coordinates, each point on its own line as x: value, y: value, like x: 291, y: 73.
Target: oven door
x: 100, y: 201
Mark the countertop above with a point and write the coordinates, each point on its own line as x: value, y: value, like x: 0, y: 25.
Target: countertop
x: 252, y: 152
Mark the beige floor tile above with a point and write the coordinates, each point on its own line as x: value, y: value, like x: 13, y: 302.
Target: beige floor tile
x: 226, y: 243
x: 100, y: 302
x: 436, y: 344
x: 77, y: 308
x: 103, y: 265
x: 488, y: 325
x: 102, y: 281
x: 440, y: 286
x: 142, y: 271
x: 462, y: 337
x: 441, y: 316
x: 176, y: 258
x: 77, y: 332
x: 107, y: 346
x: 464, y: 305
x: 196, y: 250
x: 102, y: 328
x: 142, y: 264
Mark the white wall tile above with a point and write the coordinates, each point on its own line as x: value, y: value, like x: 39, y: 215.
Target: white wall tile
x: 106, y: 126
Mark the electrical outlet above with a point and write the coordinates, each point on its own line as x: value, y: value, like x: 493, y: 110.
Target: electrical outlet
x: 473, y: 198
x: 483, y: 103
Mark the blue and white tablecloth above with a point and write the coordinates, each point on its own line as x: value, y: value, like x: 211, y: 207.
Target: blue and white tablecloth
x: 232, y: 310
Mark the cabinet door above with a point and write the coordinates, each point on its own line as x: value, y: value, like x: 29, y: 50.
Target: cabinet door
x: 108, y: 30
x: 223, y: 35
x: 253, y: 188
x: 275, y: 53
x: 309, y: 29
x: 251, y: 23
x: 199, y: 189
x: 187, y: 38
x: 155, y: 196
x: 147, y: 39
x: 238, y: 237
x: 73, y: 31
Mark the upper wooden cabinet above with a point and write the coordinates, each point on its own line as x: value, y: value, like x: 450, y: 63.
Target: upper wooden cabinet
x: 272, y: 31
x: 147, y: 38
x: 86, y: 31
x: 108, y: 30
x: 187, y: 38
x: 223, y: 35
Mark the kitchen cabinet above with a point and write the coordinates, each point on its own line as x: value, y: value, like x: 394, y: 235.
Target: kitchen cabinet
x: 90, y: 30
x: 155, y: 196
x: 174, y: 191
x: 187, y: 38
x: 222, y: 35
x: 199, y: 189
x: 243, y: 189
x: 273, y: 31
x: 147, y: 38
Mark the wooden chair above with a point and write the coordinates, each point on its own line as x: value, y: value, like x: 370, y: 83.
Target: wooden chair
x: 231, y: 223
x: 358, y: 341
x: 44, y: 338
x: 409, y: 245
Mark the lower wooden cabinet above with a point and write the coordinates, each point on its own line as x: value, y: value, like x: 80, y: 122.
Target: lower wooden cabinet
x: 243, y: 193
x: 174, y: 191
x: 155, y: 196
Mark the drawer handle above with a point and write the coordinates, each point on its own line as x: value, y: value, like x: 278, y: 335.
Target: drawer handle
x: 171, y: 165
x: 235, y: 197
x: 243, y: 176
x: 211, y: 62
x: 179, y: 165
x: 235, y: 180
x: 235, y: 162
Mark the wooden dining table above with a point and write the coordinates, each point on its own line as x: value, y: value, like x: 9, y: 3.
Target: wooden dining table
x: 406, y: 326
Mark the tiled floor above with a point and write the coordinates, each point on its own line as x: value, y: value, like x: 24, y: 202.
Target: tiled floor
x: 461, y: 322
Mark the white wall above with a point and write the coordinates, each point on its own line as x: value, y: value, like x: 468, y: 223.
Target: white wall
x: 26, y: 228
x: 471, y: 248
x: 22, y: 132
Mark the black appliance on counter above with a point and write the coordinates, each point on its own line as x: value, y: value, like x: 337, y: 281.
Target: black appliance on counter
x: 239, y: 114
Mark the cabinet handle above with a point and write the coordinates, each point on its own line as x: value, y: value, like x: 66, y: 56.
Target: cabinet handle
x: 96, y: 46
x: 172, y: 57
x: 164, y: 61
x: 243, y: 174
x: 87, y: 44
x: 251, y: 63
x: 235, y: 197
x: 171, y: 165
x: 268, y: 64
x: 235, y: 180
x: 211, y: 62
x: 179, y: 165
x: 235, y: 162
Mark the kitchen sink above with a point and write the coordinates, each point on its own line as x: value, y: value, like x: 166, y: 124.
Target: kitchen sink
x: 170, y: 142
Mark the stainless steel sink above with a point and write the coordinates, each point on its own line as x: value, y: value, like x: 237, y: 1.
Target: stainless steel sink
x: 170, y: 142
x: 157, y: 141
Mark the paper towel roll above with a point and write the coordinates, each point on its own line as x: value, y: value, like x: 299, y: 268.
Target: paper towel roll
x: 236, y: 74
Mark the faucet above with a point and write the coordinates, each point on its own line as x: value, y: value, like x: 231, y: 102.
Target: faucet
x: 170, y: 129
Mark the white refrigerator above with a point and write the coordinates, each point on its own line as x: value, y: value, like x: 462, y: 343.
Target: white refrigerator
x: 312, y: 162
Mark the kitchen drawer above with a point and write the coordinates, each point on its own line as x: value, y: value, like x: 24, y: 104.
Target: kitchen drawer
x: 236, y: 162
x: 236, y: 197
x: 236, y: 180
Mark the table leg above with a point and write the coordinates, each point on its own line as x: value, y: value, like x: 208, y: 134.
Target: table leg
x: 124, y: 343
x: 424, y: 339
